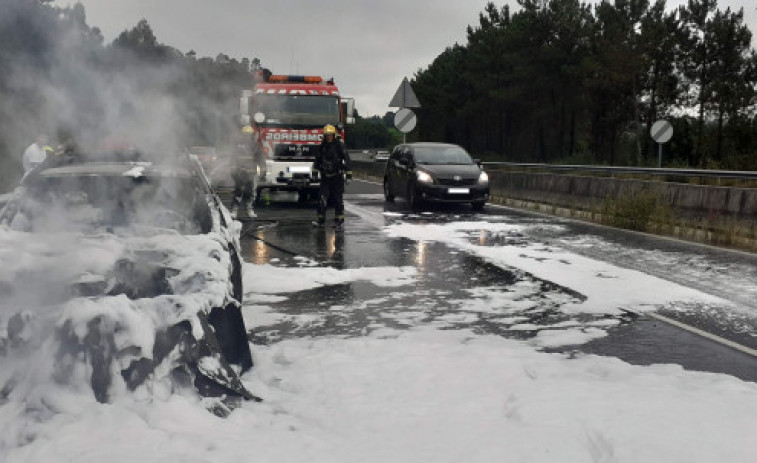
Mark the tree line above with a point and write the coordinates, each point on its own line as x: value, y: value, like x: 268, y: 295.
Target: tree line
x: 565, y: 81
x: 372, y: 132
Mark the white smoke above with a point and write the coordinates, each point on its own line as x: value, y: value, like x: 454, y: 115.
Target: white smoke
x: 59, y: 263
x: 63, y: 81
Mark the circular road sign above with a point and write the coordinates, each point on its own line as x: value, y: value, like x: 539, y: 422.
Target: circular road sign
x: 405, y: 120
x: 661, y: 131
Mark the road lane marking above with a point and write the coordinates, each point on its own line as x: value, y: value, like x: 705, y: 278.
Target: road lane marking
x: 368, y: 181
x: 377, y: 219
x: 698, y: 332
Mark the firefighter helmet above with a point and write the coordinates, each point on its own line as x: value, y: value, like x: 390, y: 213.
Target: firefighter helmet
x: 248, y: 129
x: 329, y: 130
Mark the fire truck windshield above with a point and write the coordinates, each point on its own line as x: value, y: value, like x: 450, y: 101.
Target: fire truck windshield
x: 297, y: 110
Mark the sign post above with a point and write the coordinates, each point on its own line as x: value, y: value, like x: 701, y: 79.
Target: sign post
x: 404, y: 98
x: 661, y: 132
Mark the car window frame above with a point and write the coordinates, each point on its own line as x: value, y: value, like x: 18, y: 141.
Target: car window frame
x: 395, y: 154
x: 410, y: 156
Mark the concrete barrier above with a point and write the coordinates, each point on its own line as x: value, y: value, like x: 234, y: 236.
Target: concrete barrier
x: 711, y: 214
x: 586, y: 192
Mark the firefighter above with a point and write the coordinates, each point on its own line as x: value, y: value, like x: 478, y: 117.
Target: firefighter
x: 333, y: 165
x: 243, y: 187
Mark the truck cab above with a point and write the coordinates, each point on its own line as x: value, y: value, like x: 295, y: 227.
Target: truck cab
x: 287, y: 114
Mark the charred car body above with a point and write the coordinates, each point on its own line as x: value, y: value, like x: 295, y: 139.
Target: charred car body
x: 128, y: 271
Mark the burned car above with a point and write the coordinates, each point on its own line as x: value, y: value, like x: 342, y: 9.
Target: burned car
x: 127, y: 274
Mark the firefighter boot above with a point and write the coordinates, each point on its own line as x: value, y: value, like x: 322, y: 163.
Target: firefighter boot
x: 250, y: 212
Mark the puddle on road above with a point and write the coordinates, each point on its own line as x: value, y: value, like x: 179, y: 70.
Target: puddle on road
x: 453, y: 290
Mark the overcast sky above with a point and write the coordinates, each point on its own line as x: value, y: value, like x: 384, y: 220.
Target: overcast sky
x: 368, y: 46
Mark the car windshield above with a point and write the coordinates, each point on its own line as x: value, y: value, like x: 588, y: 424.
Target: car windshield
x: 297, y: 110
x: 441, y: 155
x: 88, y: 202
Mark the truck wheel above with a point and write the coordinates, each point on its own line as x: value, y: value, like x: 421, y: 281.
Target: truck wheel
x: 478, y: 205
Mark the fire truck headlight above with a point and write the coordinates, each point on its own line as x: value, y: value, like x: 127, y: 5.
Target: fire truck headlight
x: 483, y: 179
x: 424, y: 177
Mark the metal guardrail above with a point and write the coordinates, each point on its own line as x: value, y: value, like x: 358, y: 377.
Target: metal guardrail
x: 732, y: 174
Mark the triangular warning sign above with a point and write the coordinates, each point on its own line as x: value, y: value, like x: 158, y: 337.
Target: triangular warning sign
x: 405, y: 97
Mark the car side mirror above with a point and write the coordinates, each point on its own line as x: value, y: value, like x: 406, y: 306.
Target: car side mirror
x: 478, y: 162
x: 403, y: 161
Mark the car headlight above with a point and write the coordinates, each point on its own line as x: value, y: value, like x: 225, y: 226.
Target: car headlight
x: 424, y: 177
x: 483, y: 179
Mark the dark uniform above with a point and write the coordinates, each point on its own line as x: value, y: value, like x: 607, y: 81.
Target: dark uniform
x: 333, y: 165
x: 242, y: 187
x: 241, y: 175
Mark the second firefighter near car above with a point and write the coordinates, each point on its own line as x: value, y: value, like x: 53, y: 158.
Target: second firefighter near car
x: 246, y: 163
x: 333, y: 166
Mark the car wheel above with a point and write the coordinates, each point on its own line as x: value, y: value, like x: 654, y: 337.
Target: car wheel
x: 412, y: 197
x: 388, y: 191
x: 478, y: 206
x: 236, y: 275
x: 231, y: 334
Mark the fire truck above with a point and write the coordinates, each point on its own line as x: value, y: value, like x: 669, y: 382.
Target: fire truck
x: 287, y: 114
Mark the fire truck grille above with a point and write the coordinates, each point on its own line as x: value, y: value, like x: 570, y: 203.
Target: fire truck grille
x: 295, y: 150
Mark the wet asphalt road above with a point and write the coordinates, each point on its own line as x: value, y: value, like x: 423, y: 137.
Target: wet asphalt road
x: 449, y: 280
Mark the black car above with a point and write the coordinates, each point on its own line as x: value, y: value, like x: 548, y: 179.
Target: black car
x: 435, y: 172
x: 149, y: 239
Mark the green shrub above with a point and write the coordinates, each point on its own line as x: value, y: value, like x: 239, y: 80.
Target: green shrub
x: 640, y: 212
